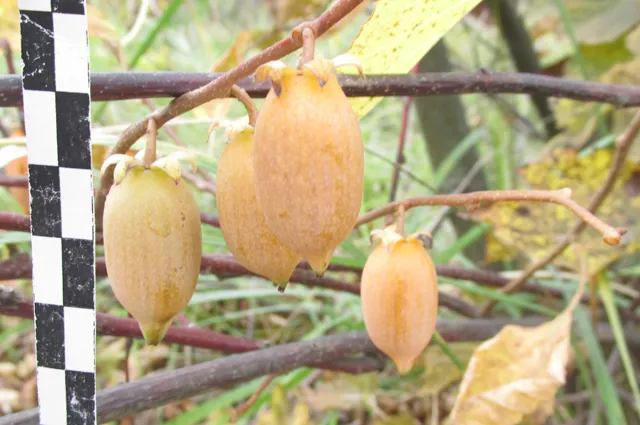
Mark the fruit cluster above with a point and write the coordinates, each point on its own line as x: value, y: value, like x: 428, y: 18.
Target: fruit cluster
x: 288, y: 187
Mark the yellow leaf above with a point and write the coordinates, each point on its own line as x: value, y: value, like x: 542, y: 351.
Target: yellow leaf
x: 534, y: 228
x: 399, y: 33
x: 98, y: 26
x: 402, y: 419
x: 496, y: 250
x: 10, y: 22
x: 344, y: 393
x: 281, y: 412
x: 439, y: 372
x: 516, y: 373
x: 235, y: 54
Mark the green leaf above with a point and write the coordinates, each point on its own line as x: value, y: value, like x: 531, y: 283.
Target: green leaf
x: 618, y: 333
x: 604, y: 381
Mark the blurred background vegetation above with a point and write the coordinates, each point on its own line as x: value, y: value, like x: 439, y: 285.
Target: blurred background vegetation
x: 447, y: 138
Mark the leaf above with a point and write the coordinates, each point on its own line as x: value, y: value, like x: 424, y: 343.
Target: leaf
x: 602, y: 21
x: 10, y: 23
x: 235, y: 54
x: 284, y: 11
x: 281, y: 412
x: 497, y: 251
x: 398, y: 34
x: 439, y: 372
x: 343, y: 392
x: 534, y: 228
x: 516, y: 374
x: 402, y: 419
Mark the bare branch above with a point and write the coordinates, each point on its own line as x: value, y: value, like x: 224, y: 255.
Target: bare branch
x: 164, y: 387
x: 562, y: 197
x: 110, y: 86
x: 226, y: 266
x: 623, y: 146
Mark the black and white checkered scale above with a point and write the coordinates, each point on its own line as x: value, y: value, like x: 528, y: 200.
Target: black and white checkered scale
x: 55, y: 55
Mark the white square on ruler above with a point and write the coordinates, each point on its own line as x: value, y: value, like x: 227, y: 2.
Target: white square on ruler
x: 71, y: 51
x: 76, y: 203
x: 40, y: 123
x: 52, y: 396
x: 42, y: 5
x: 47, y: 269
x: 79, y: 339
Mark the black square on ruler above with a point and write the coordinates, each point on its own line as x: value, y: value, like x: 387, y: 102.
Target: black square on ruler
x: 36, y: 40
x: 49, y: 335
x: 77, y: 273
x: 68, y: 6
x: 80, y: 397
x: 44, y: 182
x: 74, y: 130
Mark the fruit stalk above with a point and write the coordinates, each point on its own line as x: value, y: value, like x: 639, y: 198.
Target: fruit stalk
x: 150, y: 149
x: 308, y: 45
x: 240, y: 94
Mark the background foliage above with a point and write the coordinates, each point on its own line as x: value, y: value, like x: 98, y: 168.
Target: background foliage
x: 596, y: 40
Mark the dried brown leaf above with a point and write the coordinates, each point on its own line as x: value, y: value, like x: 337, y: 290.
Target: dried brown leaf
x: 517, y: 373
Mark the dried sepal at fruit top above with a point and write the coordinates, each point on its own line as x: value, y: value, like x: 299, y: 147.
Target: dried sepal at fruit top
x: 169, y: 164
x: 308, y: 158
x: 399, y: 295
x: 244, y: 229
x: 152, y: 240
x: 320, y: 68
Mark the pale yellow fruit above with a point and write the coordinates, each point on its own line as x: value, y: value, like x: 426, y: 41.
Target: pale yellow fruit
x: 399, y: 296
x: 245, y: 231
x: 309, y: 161
x: 153, y: 247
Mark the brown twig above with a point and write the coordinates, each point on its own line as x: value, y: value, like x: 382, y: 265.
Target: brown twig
x: 107, y: 324
x: 470, y: 200
x: 205, y: 182
x: 400, y: 159
x: 226, y: 266
x: 110, y: 86
x: 163, y: 387
x: 218, y: 87
x: 14, y: 181
x: 249, y: 402
x: 15, y: 221
x: 634, y: 305
x: 8, y: 55
x: 623, y: 146
x: 248, y: 103
x: 210, y: 219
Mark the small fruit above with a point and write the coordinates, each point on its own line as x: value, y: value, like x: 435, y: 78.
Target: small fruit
x: 399, y: 292
x: 242, y: 221
x: 152, y: 241
x: 308, y: 158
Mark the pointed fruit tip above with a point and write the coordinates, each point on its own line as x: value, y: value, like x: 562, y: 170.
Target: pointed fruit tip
x: 404, y: 365
x: 153, y: 333
x: 280, y: 285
